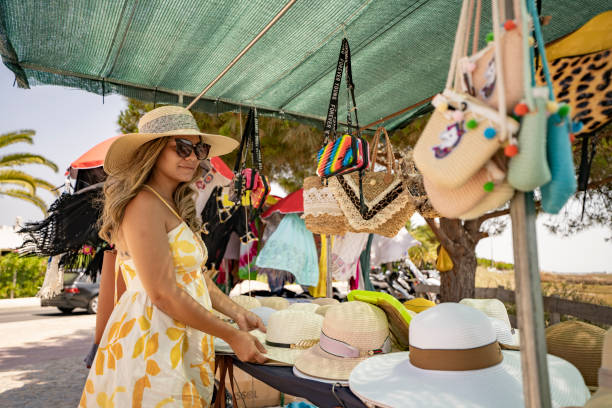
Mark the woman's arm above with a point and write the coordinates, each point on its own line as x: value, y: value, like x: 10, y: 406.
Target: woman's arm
x: 245, y: 319
x: 145, y: 236
x: 106, y: 295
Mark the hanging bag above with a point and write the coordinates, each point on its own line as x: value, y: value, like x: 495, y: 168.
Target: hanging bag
x: 380, y: 204
x: 322, y: 214
x: 563, y: 184
x: 345, y: 154
x: 528, y: 169
x: 250, y: 186
x: 463, y: 132
x: 478, y: 71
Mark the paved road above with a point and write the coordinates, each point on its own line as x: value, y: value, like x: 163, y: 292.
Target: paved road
x: 41, y: 353
x: 32, y: 313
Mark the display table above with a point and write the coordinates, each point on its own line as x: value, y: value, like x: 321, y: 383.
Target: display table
x: 283, y: 379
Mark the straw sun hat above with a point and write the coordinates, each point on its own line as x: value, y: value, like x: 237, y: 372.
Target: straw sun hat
x: 161, y: 122
x: 304, y: 306
x: 496, y: 309
x: 419, y: 304
x: 579, y: 343
x: 455, y: 361
x: 289, y: 334
x: 351, y: 332
x: 274, y: 302
x: 603, y: 397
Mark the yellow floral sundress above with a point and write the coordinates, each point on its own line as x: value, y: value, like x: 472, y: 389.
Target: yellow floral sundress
x: 146, y: 358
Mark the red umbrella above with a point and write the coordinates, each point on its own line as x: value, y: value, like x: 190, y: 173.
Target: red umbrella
x: 293, y: 203
x: 94, y: 157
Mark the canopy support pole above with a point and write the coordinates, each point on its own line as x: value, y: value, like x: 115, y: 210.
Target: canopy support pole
x: 530, y: 309
x: 244, y: 51
x: 328, y: 284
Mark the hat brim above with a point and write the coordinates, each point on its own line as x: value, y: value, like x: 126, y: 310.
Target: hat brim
x: 315, y: 362
x: 277, y: 356
x: 390, y: 380
x: 122, y: 150
x: 300, y: 374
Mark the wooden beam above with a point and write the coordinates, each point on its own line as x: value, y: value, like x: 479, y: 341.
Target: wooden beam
x: 529, y: 304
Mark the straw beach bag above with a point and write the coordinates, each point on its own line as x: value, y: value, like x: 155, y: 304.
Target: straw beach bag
x: 387, y: 205
x: 322, y: 214
x: 463, y: 132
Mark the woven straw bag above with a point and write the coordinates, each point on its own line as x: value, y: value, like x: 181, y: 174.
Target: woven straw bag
x: 387, y: 205
x: 463, y: 132
x: 322, y: 214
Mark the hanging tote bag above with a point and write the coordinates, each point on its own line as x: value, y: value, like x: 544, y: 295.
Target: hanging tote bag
x: 478, y: 71
x: 559, y: 149
x: 413, y: 181
x: 346, y: 154
x: 322, y: 214
x: 463, y: 132
x: 528, y: 169
x: 382, y: 205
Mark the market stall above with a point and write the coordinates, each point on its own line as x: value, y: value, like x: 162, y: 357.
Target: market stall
x: 285, y: 69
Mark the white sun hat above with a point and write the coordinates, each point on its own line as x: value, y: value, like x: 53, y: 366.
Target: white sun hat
x: 352, y: 332
x: 288, y: 334
x: 324, y: 301
x: 304, y: 307
x: 494, y: 308
x: 455, y: 361
x: 603, y: 397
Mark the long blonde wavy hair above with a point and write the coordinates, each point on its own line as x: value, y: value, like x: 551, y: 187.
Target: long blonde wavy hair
x: 122, y: 186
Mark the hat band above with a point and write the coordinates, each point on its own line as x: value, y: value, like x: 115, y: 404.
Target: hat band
x: 168, y: 123
x: 300, y: 345
x: 456, y: 359
x: 605, y: 377
x: 341, y: 349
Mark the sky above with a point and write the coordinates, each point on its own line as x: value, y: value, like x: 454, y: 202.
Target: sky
x: 68, y: 122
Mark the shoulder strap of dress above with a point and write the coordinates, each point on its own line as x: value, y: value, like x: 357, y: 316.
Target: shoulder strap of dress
x: 163, y: 201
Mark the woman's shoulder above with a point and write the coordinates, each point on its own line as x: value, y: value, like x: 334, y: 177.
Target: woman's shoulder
x: 144, y: 204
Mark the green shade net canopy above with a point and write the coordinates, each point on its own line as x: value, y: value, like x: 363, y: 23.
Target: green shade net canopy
x: 168, y: 51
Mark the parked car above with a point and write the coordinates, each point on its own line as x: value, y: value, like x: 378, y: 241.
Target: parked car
x: 79, y: 291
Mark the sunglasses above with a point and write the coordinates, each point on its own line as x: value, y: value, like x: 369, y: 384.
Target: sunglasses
x: 184, y: 148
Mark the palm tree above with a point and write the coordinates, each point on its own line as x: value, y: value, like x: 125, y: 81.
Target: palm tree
x: 17, y: 183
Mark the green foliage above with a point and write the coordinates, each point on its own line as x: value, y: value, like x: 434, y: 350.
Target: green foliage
x: 30, y: 275
x: 497, y: 265
x: 288, y: 148
x: 9, y: 177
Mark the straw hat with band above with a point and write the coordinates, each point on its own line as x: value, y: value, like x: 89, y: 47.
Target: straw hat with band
x: 603, y: 397
x: 163, y: 122
x: 352, y: 332
x: 579, y: 343
x: 398, y: 316
x: 289, y: 334
x: 494, y: 308
x: 455, y: 361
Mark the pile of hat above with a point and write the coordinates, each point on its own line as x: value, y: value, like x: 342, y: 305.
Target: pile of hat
x: 459, y: 354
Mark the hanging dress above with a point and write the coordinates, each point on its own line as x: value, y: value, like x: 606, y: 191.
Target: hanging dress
x: 145, y: 357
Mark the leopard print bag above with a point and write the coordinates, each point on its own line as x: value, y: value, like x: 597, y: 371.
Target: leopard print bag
x: 387, y: 204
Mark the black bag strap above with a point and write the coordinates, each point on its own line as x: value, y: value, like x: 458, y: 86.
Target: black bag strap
x: 250, y: 136
x: 244, y: 141
x: 331, y: 121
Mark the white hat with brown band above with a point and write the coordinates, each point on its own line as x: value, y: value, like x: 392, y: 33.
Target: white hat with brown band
x: 162, y: 122
x: 456, y: 361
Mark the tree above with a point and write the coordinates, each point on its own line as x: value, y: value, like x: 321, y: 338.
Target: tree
x: 17, y: 183
x: 288, y: 148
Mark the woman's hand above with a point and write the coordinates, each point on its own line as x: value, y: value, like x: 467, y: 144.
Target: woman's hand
x: 247, y: 348
x: 248, y: 321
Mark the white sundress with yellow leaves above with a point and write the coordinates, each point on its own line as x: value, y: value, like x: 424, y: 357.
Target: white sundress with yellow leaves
x: 146, y: 358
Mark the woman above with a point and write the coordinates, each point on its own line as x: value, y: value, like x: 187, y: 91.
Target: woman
x: 157, y: 347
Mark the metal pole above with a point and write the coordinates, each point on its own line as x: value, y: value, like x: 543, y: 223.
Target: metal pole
x: 529, y: 305
x: 328, y: 285
x: 244, y: 51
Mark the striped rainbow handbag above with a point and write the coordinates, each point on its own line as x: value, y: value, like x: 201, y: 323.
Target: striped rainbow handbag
x: 341, y: 156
